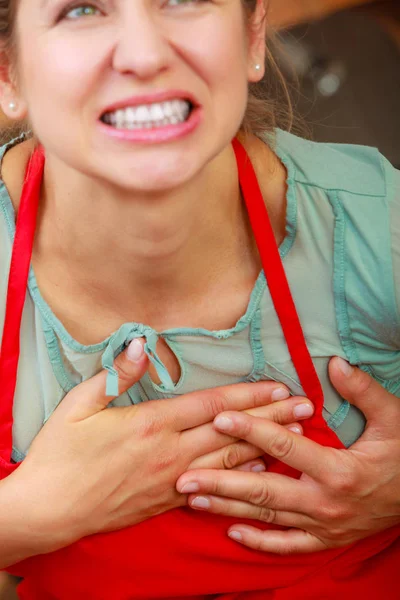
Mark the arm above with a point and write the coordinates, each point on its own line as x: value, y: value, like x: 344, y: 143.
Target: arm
x: 20, y: 533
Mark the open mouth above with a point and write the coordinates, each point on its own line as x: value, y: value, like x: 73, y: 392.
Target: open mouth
x: 150, y: 116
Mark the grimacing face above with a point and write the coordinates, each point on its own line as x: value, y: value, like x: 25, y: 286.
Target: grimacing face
x: 140, y: 93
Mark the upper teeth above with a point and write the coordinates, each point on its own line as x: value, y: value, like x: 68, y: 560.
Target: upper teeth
x: 149, y: 115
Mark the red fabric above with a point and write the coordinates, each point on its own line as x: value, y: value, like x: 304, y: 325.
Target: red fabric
x: 184, y: 554
x: 19, y: 269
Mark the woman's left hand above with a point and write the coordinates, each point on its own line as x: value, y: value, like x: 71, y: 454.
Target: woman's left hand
x: 342, y: 496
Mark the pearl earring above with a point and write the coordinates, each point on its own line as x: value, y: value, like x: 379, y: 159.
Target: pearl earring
x: 12, y: 106
x: 257, y: 67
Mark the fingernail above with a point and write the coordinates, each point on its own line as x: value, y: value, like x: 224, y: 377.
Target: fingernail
x: 303, y: 410
x: 344, y: 367
x: 235, y: 535
x: 223, y: 423
x: 190, y: 488
x: 135, y: 350
x: 295, y: 430
x: 201, y: 502
x: 258, y: 468
x: 280, y: 394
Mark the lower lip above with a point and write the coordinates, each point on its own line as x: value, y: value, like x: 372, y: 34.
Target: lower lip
x: 157, y: 135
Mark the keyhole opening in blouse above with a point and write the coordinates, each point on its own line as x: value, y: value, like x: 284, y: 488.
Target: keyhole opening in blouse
x: 171, y: 363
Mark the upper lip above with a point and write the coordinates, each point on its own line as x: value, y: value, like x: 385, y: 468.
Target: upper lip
x: 151, y: 98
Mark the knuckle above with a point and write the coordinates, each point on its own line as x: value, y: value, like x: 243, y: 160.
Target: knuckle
x: 260, y: 494
x: 266, y: 515
x: 231, y: 457
x: 260, y: 396
x: 215, y: 401
x: 216, y: 485
x: 282, y: 413
x: 346, y: 485
x: 330, y: 513
x: 336, y: 534
x: 344, y: 481
x: 281, y: 446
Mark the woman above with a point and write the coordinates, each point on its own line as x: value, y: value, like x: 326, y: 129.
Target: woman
x: 134, y: 106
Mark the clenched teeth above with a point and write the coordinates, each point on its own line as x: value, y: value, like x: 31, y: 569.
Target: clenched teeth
x: 148, y: 116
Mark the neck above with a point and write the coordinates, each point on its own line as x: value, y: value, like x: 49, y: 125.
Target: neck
x: 169, y: 244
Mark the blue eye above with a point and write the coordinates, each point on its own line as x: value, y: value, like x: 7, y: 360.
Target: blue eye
x: 85, y: 10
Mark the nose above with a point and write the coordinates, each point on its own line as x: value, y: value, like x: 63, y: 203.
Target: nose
x: 141, y: 47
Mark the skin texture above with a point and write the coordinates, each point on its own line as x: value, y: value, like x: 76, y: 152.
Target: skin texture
x: 77, y: 67
x: 158, y: 440
x: 342, y: 496
x: 159, y: 198
x: 176, y: 207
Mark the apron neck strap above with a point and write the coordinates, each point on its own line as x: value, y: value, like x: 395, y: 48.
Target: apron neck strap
x: 276, y: 279
x: 19, y: 273
x: 17, y: 284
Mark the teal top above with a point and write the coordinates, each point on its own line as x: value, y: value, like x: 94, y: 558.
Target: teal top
x: 342, y: 258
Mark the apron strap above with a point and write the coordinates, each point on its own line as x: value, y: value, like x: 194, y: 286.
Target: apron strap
x: 276, y: 279
x: 17, y: 286
x: 270, y: 257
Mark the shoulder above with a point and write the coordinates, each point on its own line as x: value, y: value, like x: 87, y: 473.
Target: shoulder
x: 344, y: 167
x: 14, y: 158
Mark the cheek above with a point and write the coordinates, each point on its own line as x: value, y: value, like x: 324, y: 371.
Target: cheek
x: 218, y: 54
x: 59, y: 75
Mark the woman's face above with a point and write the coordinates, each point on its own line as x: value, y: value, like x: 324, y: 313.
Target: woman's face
x: 140, y: 93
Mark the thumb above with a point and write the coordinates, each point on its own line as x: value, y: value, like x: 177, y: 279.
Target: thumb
x: 90, y: 396
x: 361, y: 390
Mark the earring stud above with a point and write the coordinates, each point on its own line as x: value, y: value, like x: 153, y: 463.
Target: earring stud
x: 257, y: 67
x: 12, y: 106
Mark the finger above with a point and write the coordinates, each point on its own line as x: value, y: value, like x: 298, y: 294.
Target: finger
x: 294, y: 541
x: 294, y: 450
x: 363, y: 391
x: 284, y: 412
x: 243, y: 510
x: 229, y: 456
x: 252, y: 466
x: 198, y: 408
x: 270, y: 490
x: 204, y: 439
x: 90, y: 397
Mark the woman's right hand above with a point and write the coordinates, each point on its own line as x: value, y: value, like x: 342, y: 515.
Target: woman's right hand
x: 91, y: 470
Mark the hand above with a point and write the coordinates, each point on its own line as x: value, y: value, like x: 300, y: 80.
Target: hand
x: 91, y: 470
x: 342, y: 496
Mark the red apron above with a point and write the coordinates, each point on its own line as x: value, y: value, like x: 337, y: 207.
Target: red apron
x: 183, y: 553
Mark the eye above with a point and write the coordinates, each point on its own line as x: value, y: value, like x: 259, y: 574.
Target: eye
x: 82, y: 10
x: 183, y: 2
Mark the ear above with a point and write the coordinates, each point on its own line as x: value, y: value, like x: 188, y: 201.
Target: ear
x: 256, y: 51
x: 11, y: 103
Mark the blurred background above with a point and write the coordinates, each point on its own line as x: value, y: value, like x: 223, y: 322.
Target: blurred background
x: 345, y: 55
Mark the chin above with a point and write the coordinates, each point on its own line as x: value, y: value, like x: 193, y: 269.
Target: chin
x: 164, y: 176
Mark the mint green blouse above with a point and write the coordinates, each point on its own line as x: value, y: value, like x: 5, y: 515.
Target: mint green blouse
x: 342, y: 258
